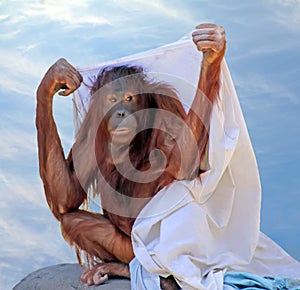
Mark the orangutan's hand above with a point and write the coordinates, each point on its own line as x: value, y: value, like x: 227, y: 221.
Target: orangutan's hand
x: 210, y: 39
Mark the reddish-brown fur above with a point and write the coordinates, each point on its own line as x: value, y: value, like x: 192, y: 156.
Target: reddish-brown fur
x: 107, y: 236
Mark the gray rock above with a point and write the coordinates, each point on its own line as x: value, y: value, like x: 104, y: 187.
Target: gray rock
x: 65, y: 277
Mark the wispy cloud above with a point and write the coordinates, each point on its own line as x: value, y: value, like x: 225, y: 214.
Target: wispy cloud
x: 9, y: 35
x: 15, y: 85
x: 259, y: 84
x: 16, y: 143
x: 40, y: 244
x: 63, y: 13
x: 3, y: 17
x: 27, y: 227
x: 287, y: 14
x: 17, y: 63
x: 158, y: 7
x: 18, y: 189
x: 19, y: 72
x: 22, y: 58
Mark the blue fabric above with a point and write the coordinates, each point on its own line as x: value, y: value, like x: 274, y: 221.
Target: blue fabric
x: 248, y: 281
x: 141, y: 279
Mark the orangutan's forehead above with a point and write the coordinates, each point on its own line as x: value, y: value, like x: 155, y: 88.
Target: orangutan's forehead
x: 123, y: 85
x: 119, y: 85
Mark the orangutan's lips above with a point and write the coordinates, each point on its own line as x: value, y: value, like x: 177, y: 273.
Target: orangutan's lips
x: 121, y: 131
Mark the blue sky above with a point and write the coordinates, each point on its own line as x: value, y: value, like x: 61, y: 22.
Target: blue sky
x: 263, y: 56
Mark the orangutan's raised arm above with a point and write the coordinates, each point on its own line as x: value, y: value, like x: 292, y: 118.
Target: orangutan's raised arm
x: 62, y: 189
x: 209, y: 39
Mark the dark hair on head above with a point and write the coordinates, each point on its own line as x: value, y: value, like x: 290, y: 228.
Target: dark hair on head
x: 111, y: 73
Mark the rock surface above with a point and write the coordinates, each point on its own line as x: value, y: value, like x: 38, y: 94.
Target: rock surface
x: 65, y: 277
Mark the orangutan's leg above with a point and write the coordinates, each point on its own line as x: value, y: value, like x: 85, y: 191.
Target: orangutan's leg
x: 97, y: 236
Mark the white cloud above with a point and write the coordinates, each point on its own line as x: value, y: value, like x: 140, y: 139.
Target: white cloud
x: 15, y: 85
x: 18, y: 72
x: 15, y: 19
x: 72, y: 14
x: 15, y: 62
x: 3, y: 17
x: 33, y: 241
x: 9, y: 35
x: 157, y: 7
x: 16, y: 143
x: 25, y: 63
x: 257, y: 84
x: 287, y: 14
x: 21, y: 190
x: 25, y: 48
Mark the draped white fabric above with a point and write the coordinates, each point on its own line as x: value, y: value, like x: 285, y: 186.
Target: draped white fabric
x: 197, y: 230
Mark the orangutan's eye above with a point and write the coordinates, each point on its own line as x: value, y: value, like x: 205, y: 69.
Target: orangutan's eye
x: 112, y: 98
x: 129, y: 98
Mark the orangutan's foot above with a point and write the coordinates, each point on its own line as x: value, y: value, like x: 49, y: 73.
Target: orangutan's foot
x: 100, y: 272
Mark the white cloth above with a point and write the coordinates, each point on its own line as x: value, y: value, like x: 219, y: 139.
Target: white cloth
x: 197, y: 230
x: 177, y: 63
